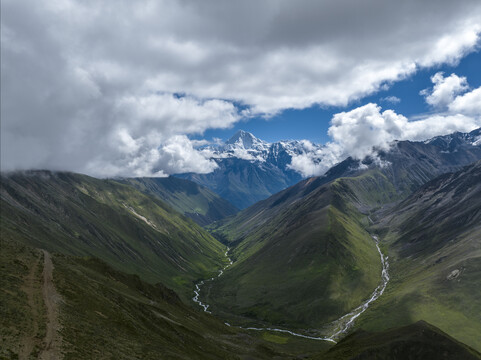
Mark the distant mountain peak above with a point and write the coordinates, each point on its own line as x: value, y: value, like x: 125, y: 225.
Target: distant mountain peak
x: 451, y: 141
x: 245, y: 140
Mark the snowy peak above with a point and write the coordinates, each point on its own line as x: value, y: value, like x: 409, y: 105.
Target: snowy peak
x: 243, y: 145
x: 302, y: 156
x: 451, y: 142
x: 245, y: 140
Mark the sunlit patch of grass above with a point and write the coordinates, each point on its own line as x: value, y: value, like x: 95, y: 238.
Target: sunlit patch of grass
x: 275, y: 338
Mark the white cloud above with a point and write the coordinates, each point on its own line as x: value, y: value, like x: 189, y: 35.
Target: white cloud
x: 359, y: 132
x: 176, y: 114
x: 307, y: 164
x: 145, y: 140
x: 142, y: 157
x: 178, y: 155
x: 317, y: 161
x: 391, y: 99
x: 445, y: 89
x: 89, y: 85
x: 126, y: 144
x: 469, y: 103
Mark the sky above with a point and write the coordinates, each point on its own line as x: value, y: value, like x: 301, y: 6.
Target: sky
x: 312, y: 123
x: 122, y: 88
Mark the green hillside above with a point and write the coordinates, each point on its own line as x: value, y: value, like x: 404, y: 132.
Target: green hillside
x: 102, y: 313
x: 434, y: 245
x: 417, y: 341
x: 194, y: 201
x: 79, y: 215
x: 303, y: 256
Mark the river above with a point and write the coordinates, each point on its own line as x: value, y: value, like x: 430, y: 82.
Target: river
x: 341, y: 325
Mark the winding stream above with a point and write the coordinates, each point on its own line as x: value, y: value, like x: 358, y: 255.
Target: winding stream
x: 199, y: 284
x: 347, y: 321
x: 342, y: 325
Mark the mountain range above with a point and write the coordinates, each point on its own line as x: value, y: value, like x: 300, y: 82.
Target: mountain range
x: 249, y: 169
x: 82, y: 216
x: 381, y: 255
x: 433, y: 238
x: 305, y: 256
x: 192, y: 200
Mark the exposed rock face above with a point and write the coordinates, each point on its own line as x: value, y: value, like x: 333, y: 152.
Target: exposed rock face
x: 453, y: 274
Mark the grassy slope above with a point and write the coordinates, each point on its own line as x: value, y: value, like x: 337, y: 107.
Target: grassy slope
x: 432, y: 233
x: 417, y: 341
x: 429, y: 237
x: 106, y: 314
x: 80, y: 215
x: 193, y: 200
x: 22, y: 311
x: 303, y: 256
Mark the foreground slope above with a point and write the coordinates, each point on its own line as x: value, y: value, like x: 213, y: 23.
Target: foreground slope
x: 79, y: 215
x: 417, y: 341
x: 102, y: 313
x: 105, y: 314
x: 434, y: 238
x: 191, y: 199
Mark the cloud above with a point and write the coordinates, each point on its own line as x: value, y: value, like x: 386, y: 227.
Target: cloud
x: 145, y: 157
x: 391, y: 99
x: 469, y: 103
x: 178, y: 155
x: 445, y: 89
x: 359, y: 132
x: 93, y: 86
x: 172, y: 114
x: 317, y: 161
x: 363, y: 128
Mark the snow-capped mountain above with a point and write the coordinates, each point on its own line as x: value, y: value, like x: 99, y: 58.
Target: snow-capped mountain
x: 250, y: 169
x: 450, y: 142
x: 245, y: 140
x: 244, y: 145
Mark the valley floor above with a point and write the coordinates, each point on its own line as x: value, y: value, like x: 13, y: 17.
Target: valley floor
x: 340, y: 327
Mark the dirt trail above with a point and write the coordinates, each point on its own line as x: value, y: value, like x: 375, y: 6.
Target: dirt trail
x: 53, y: 340
x: 32, y: 288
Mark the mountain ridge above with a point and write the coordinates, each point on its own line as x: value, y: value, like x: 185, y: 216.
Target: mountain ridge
x: 303, y: 256
x: 79, y: 215
x: 251, y: 171
x: 432, y: 238
x: 191, y: 199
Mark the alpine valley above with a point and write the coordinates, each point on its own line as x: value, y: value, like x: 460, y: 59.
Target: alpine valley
x: 379, y: 258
